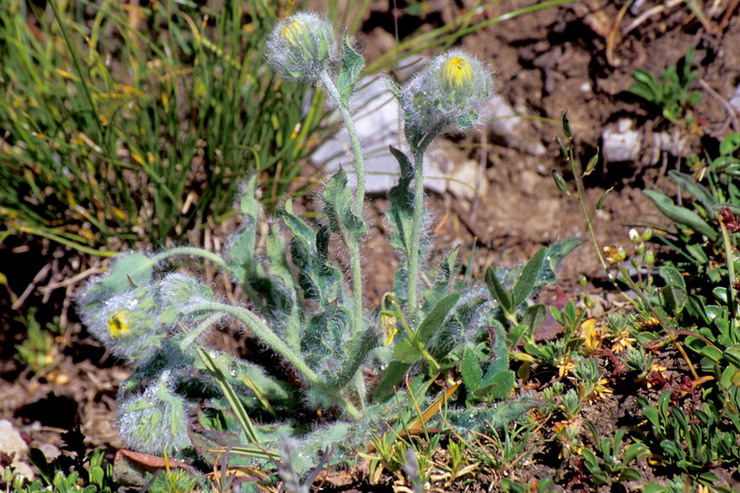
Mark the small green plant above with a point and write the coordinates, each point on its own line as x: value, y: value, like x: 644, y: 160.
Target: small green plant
x: 609, y: 463
x: 672, y: 92
x: 38, y: 350
x: 185, y: 398
x: 690, y: 442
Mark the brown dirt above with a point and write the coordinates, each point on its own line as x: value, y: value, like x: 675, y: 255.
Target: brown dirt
x: 547, y: 62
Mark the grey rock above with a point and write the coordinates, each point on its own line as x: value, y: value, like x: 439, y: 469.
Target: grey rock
x: 12, y: 444
x: 507, y: 127
x: 620, y: 142
x: 735, y: 99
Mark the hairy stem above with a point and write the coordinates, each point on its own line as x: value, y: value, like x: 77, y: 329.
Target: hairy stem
x: 194, y: 251
x: 266, y: 335
x: 263, y: 333
x: 416, y: 228
x: 195, y: 333
x: 333, y: 92
x: 353, y: 247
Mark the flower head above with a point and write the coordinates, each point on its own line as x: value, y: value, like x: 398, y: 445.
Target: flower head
x: 447, y: 92
x: 302, y: 46
x: 118, y: 323
x: 457, y: 71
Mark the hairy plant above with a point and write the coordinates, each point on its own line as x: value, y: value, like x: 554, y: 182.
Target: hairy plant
x: 185, y: 398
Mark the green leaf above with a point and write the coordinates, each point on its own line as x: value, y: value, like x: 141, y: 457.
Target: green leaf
x: 635, y: 451
x: 680, y: 215
x: 471, y: 371
x: 732, y: 354
x: 128, y: 271
x: 318, y: 279
x: 433, y: 320
x: 534, y: 317
x: 338, y: 199
x: 526, y: 283
x: 699, y: 192
x: 324, y: 335
x: 499, y: 386
x: 407, y: 352
x: 629, y: 474
x: 674, y: 292
x: 400, y: 215
x: 730, y: 144
x: 498, y: 291
x: 392, y: 375
x: 355, y: 350
x: 352, y: 65
x: 602, y: 199
x: 652, y: 415
x: 240, y: 261
x: 644, y: 91
x: 555, y: 254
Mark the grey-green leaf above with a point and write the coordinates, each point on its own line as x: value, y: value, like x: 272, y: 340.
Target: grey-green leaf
x: 498, y: 291
x: 681, y: 215
x: 527, y: 281
x: 471, y: 371
x: 352, y: 65
x: 338, y: 199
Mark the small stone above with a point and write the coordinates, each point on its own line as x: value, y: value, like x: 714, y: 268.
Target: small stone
x: 620, y: 143
x: 12, y: 444
x: 735, y: 99
x: 50, y: 451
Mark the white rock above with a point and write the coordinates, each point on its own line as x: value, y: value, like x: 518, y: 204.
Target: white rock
x: 735, y: 99
x: 376, y: 115
x: 621, y: 143
x: 378, y: 123
x: 12, y: 444
x: 508, y: 127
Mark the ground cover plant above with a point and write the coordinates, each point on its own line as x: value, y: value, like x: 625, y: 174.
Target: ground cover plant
x: 449, y: 383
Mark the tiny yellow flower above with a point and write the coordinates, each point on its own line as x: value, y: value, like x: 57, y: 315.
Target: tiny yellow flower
x: 457, y: 71
x: 118, y: 324
x: 600, y: 390
x: 614, y: 254
x: 592, y: 334
x: 292, y: 30
x: 565, y: 366
x: 388, y: 324
x: 622, y: 341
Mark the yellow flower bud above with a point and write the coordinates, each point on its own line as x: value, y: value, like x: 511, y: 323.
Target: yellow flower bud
x: 118, y: 324
x: 292, y: 31
x: 457, y: 71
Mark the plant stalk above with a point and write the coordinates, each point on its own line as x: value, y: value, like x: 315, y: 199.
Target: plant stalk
x: 732, y: 304
x: 416, y: 228
x: 194, y: 251
x: 357, y: 205
x: 267, y: 336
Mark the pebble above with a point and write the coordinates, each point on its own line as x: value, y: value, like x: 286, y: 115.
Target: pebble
x: 620, y: 142
x: 735, y: 99
x: 12, y: 444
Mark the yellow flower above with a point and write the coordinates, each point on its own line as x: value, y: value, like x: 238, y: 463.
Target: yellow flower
x: 565, y: 366
x: 592, y: 334
x: 118, y: 323
x: 600, y: 390
x: 622, y: 341
x: 457, y: 71
x: 388, y: 324
x: 614, y: 254
x: 292, y: 30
